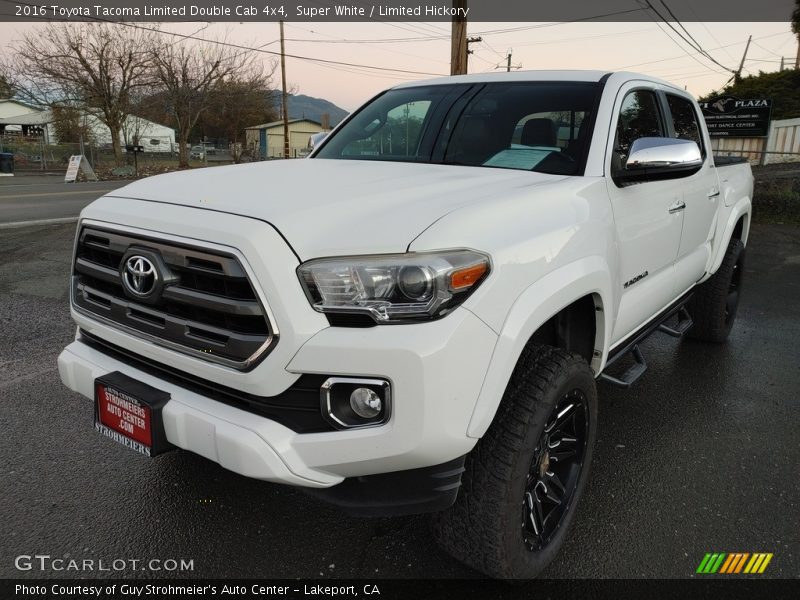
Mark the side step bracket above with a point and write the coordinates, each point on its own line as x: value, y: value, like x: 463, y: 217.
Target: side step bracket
x: 683, y: 325
x: 632, y: 374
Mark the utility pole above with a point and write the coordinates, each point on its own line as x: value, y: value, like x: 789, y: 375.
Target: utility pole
x: 508, y: 64
x: 738, y: 75
x: 285, y: 99
x: 458, y: 41
x: 781, y: 64
x: 471, y: 40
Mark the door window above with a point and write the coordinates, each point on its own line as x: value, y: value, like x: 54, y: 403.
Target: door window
x: 638, y: 117
x: 684, y: 121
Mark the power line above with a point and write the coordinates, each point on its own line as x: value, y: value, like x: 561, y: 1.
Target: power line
x: 488, y: 45
x: 650, y: 62
x: 251, y: 49
x: 543, y: 25
x: 335, y: 40
x: 697, y: 44
x: 581, y: 38
x: 766, y: 49
x: 713, y: 37
x: 693, y: 43
x: 270, y: 52
x: 685, y: 51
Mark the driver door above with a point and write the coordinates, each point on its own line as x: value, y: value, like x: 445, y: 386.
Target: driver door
x: 647, y: 222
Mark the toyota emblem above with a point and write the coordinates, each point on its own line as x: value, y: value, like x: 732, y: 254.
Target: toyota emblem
x: 140, y: 275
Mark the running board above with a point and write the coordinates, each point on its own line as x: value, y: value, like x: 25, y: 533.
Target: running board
x: 632, y: 374
x: 684, y: 324
x: 630, y: 346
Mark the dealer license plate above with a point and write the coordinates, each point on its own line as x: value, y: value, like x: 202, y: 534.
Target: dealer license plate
x: 129, y: 412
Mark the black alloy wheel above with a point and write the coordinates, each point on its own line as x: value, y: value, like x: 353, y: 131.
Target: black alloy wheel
x: 555, y: 470
x: 523, y: 480
x: 732, y: 301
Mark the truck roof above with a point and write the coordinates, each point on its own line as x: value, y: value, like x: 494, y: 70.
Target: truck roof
x: 552, y: 75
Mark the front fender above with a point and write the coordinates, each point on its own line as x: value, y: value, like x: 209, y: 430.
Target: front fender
x: 538, y: 303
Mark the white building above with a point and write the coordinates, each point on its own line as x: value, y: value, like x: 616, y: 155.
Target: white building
x: 17, y: 116
x: 136, y: 132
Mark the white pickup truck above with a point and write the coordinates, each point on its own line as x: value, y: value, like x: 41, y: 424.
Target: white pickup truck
x: 413, y: 319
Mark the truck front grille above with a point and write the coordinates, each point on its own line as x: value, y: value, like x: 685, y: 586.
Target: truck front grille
x: 191, y: 299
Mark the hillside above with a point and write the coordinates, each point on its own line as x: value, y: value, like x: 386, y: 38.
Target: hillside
x: 301, y: 106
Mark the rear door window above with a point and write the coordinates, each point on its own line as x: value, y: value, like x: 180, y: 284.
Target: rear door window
x: 684, y: 121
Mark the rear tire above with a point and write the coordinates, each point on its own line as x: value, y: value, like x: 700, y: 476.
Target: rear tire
x: 715, y: 302
x: 506, y: 521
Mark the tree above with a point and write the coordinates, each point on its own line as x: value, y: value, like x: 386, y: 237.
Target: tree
x: 93, y: 68
x: 189, y: 75
x: 781, y: 86
x: 796, y: 31
x: 6, y: 89
x: 237, y: 103
x: 70, y: 124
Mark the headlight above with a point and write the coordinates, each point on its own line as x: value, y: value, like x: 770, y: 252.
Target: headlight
x: 394, y: 288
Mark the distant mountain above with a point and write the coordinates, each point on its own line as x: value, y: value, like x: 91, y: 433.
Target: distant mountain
x: 306, y: 107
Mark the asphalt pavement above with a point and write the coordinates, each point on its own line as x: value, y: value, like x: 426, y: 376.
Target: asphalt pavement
x: 700, y: 456
x: 41, y: 197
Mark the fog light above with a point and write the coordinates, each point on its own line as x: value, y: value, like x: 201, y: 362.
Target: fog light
x: 365, y: 403
x: 351, y: 402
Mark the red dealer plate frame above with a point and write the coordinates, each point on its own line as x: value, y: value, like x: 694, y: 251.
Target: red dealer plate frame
x: 128, y: 412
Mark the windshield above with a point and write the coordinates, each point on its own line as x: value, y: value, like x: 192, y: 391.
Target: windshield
x: 532, y: 126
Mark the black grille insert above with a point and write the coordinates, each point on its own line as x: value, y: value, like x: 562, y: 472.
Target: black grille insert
x: 207, y: 306
x: 298, y: 408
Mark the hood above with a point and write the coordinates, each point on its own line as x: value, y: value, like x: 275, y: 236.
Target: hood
x: 337, y: 207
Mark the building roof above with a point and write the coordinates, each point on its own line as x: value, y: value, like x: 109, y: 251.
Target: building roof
x: 272, y: 124
x: 21, y: 103
x: 31, y: 118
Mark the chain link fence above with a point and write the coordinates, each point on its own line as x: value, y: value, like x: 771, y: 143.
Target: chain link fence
x: 32, y: 154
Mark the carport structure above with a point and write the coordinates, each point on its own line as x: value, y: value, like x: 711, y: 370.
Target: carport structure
x: 34, y: 123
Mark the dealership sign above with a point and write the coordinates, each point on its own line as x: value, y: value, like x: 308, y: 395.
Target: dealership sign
x: 727, y: 116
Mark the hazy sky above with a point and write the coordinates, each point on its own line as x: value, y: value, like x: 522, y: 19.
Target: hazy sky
x: 644, y: 47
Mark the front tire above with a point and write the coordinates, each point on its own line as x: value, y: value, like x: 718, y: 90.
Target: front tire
x: 524, y: 477
x: 714, y: 304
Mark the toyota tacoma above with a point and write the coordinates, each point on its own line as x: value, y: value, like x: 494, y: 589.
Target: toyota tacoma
x: 414, y: 318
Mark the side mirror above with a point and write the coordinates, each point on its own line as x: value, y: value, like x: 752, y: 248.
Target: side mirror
x: 656, y: 158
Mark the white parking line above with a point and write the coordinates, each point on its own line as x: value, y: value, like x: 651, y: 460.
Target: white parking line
x: 16, y: 224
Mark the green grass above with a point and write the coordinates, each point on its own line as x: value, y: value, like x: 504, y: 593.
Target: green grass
x: 777, y: 201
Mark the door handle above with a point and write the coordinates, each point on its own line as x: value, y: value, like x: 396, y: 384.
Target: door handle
x: 713, y: 194
x: 677, y: 207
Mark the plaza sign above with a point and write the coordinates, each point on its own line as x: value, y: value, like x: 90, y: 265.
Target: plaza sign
x: 727, y: 116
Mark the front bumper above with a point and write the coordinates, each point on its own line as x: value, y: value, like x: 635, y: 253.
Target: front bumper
x: 436, y: 371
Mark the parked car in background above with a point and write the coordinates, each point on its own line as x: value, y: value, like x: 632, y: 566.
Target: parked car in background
x: 315, y: 140
x: 210, y: 149
x: 197, y: 152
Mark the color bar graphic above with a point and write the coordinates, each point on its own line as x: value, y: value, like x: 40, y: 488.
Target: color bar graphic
x: 729, y: 563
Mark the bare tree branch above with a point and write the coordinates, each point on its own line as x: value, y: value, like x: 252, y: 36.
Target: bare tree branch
x: 91, y: 67
x: 188, y: 76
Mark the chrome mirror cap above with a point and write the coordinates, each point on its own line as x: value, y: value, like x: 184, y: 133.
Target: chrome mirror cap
x: 650, y: 152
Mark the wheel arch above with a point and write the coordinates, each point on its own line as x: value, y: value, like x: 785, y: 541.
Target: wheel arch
x: 576, y: 317
x: 737, y: 226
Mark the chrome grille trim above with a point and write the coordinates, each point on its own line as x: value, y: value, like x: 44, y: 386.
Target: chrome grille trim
x: 158, y: 324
